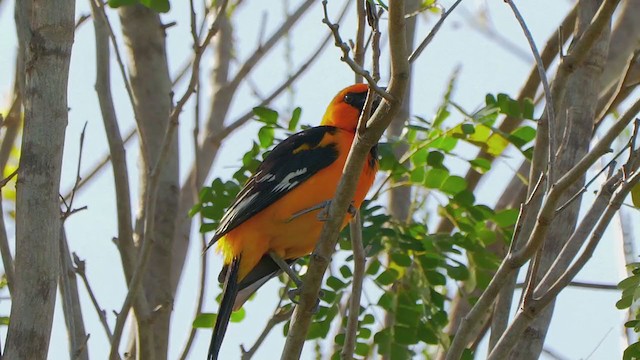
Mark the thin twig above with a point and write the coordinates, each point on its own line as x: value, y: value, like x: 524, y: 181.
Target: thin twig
x: 347, y: 59
x: 80, y: 268
x: 100, y: 165
x: 423, y: 45
x: 545, y: 85
x: 358, y: 50
x: 68, y: 211
x: 203, y: 241
x: 279, y: 316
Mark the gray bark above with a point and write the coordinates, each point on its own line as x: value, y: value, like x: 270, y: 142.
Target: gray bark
x: 151, y: 87
x: 37, y: 208
x: 573, y: 126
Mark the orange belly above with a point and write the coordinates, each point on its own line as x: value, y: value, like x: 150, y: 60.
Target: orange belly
x: 272, y: 228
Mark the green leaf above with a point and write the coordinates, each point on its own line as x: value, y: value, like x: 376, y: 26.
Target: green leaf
x: 427, y: 335
x: 405, y: 335
x: 454, y: 184
x: 629, y: 282
x: 345, y: 271
x: 420, y: 157
x: 157, y: 5
x: 458, y: 272
x: 506, y: 218
x: 194, y: 210
x: 386, y: 301
x: 435, y: 159
x: 408, y: 316
x: 387, y: 277
x: 496, y: 144
x: 4, y: 320
x: 435, y: 178
x: 480, y: 165
x: 208, y: 227
x: 522, y: 135
x: 318, y: 329
x: 465, y: 197
x: 446, y: 143
x: 624, y: 302
x: 374, y: 267
x: 441, y: 116
x: 118, y: 3
x: 266, y: 115
x: 364, y: 333
x: 417, y: 174
x: 632, y: 352
x: 266, y: 135
x: 335, y: 283
x: 368, y: 319
x: 238, y: 316
x: 435, y: 278
x: 468, y: 129
x: 295, y: 118
x: 383, y: 339
x: 204, y: 321
x: 401, y: 259
x: 490, y: 100
x: 362, y: 349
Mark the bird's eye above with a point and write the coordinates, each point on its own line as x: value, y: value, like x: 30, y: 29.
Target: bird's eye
x: 349, y: 99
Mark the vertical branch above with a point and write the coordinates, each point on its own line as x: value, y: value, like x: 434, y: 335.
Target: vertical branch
x: 358, y: 51
x: 359, y: 260
x: 45, y: 103
x: 114, y: 139
x: 71, y: 302
x: 321, y: 256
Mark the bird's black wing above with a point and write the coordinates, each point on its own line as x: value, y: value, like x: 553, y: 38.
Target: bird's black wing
x: 290, y: 163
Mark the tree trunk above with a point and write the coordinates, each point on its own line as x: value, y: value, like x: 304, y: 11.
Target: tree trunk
x: 37, y: 207
x: 151, y: 87
x: 573, y: 127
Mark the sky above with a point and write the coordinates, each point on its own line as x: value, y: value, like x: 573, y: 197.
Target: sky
x: 586, y: 324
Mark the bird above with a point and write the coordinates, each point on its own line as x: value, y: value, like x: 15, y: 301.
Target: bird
x: 277, y: 216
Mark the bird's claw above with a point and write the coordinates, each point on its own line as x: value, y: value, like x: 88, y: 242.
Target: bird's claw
x: 323, y: 215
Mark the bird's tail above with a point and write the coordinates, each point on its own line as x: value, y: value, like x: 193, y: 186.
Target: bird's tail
x: 229, y: 293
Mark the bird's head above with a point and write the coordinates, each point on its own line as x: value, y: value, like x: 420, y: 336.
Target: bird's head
x: 345, y: 108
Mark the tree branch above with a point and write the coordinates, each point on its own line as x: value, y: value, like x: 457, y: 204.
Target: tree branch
x: 377, y: 124
x: 351, y: 332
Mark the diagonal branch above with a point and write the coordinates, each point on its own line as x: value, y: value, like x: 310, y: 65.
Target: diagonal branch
x: 321, y: 256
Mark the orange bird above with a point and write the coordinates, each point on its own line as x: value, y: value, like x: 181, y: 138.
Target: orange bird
x: 277, y: 216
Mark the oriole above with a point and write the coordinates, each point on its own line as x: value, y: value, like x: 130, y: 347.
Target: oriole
x: 270, y: 214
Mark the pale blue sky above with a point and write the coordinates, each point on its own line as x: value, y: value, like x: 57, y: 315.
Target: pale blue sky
x: 583, y: 318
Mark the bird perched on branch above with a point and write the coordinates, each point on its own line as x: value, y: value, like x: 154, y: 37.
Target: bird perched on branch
x: 278, y: 215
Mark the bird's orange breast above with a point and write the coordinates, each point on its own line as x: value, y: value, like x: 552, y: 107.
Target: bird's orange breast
x: 272, y: 229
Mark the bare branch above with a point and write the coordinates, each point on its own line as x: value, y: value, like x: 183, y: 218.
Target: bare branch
x: 80, y: 268
x: 550, y: 111
x: 347, y: 59
x: 423, y: 45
